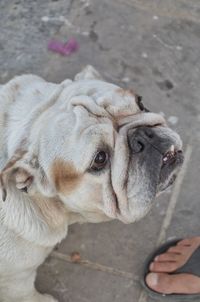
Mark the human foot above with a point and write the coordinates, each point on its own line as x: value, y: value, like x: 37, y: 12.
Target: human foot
x: 161, y: 279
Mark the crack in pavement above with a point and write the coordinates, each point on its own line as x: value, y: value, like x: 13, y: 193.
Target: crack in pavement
x: 95, y: 266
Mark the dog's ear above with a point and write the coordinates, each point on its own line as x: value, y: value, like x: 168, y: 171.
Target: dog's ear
x: 22, y: 171
x: 88, y: 73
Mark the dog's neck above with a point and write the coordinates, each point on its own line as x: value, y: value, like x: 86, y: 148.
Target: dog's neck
x: 38, y: 219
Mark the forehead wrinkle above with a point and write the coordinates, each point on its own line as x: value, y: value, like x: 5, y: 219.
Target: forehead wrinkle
x: 100, y: 132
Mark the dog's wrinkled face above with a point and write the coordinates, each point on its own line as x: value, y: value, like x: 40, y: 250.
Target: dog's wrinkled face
x: 102, y: 154
x: 110, y: 158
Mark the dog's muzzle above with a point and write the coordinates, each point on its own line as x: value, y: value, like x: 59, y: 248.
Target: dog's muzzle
x: 139, y: 141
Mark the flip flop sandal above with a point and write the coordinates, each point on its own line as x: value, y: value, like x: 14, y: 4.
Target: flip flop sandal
x: 192, y: 266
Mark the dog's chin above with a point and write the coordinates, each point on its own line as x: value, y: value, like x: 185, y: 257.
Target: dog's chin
x: 167, y: 184
x: 137, y: 211
x: 139, y: 207
x: 135, y: 205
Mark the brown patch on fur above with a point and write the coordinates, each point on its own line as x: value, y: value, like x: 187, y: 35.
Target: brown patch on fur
x: 52, y: 210
x: 65, y: 176
x: 125, y: 92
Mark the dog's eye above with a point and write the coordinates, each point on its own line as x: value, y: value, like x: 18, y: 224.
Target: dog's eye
x: 100, y: 161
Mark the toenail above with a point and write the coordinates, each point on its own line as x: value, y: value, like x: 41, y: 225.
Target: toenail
x: 152, y: 279
x: 156, y: 258
x: 151, y: 266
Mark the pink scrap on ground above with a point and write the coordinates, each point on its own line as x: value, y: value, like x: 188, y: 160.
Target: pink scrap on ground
x: 64, y: 49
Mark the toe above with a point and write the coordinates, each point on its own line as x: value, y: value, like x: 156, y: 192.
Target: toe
x: 190, y: 241
x: 152, y: 280
x: 167, y: 257
x: 165, y: 267
x: 177, y: 249
x: 173, y: 284
x: 159, y: 282
x: 184, y: 242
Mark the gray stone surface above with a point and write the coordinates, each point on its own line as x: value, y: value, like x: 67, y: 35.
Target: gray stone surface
x: 150, y: 46
x: 71, y: 282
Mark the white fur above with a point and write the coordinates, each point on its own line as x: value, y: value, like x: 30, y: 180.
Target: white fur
x: 41, y: 122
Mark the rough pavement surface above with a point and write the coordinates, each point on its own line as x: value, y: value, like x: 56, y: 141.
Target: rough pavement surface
x: 152, y: 47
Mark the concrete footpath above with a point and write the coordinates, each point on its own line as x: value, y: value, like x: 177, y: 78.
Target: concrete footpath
x: 153, y: 47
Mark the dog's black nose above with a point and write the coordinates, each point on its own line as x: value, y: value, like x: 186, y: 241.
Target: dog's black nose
x: 139, y: 138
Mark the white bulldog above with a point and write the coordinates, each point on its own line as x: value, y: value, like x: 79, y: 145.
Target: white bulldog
x: 83, y: 150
